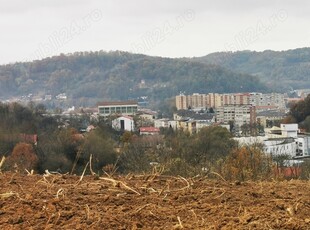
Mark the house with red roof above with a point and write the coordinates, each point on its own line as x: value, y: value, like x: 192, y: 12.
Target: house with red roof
x: 148, y: 130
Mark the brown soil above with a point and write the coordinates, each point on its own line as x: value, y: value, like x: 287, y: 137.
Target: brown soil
x: 150, y: 202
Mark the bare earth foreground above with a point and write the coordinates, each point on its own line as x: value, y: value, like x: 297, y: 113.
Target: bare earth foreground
x: 150, y: 202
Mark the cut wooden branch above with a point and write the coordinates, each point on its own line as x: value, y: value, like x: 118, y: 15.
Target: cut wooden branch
x: 29, y: 173
x: 116, y: 182
x: 46, y: 173
x: 59, y: 192
x: 179, y: 225
x: 81, y: 178
x: 87, y: 211
x: 185, y: 187
x: 2, y: 162
x: 78, y: 155
x: 139, y: 209
x: 90, y: 168
x: 7, y: 195
x: 218, y: 176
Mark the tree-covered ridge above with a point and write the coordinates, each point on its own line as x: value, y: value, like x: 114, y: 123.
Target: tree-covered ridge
x: 93, y: 76
x: 280, y: 70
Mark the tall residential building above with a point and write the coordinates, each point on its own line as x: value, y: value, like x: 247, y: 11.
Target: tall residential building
x: 215, y: 100
x: 241, y: 99
x: 181, y: 102
x: 198, y: 101
x: 269, y: 99
x: 239, y: 114
x: 195, y: 101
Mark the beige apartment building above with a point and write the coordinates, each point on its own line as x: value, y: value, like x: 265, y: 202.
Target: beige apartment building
x: 214, y: 100
x: 239, y: 114
x: 181, y: 102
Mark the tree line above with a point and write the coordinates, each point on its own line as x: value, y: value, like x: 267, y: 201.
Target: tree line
x: 65, y: 149
x: 58, y: 145
x: 300, y: 113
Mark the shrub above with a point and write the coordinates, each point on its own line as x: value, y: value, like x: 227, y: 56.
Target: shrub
x: 247, y: 163
x: 23, y: 157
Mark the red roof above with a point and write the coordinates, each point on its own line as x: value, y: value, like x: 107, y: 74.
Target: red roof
x: 149, y: 129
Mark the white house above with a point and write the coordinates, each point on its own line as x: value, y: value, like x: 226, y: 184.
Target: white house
x: 289, y: 130
x: 123, y: 123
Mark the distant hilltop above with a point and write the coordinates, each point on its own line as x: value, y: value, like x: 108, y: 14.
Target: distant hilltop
x: 88, y: 77
x: 280, y: 70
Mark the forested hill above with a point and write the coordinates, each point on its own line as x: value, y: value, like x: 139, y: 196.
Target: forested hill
x: 280, y: 70
x: 97, y: 76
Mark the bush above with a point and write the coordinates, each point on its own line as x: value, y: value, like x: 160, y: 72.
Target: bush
x: 23, y: 157
x: 247, y: 163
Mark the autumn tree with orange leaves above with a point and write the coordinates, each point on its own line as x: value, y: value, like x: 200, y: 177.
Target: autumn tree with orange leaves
x: 23, y: 157
x: 247, y: 163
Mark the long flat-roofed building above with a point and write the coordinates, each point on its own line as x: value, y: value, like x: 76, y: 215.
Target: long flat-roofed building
x: 117, y: 107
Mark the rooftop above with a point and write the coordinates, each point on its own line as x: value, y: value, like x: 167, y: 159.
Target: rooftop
x: 187, y: 114
x: 109, y: 103
x: 125, y: 116
x: 149, y: 129
x: 271, y: 113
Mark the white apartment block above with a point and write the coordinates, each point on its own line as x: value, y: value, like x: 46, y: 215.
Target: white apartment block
x: 283, y: 141
x: 270, y: 99
x: 288, y: 142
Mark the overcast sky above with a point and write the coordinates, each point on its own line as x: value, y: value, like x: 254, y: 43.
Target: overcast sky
x: 35, y: 29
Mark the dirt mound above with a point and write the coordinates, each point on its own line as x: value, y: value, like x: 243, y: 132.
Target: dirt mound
x: 150, y: 202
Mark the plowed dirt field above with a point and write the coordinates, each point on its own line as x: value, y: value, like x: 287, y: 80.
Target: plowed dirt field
x: 150, y: 202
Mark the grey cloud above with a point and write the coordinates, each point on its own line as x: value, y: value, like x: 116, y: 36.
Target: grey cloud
x: 125, y: 22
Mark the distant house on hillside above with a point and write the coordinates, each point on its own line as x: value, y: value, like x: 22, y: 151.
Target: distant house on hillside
x: 147, y: 115
x: 123, y: 123
x: 148, y: 130
x: 165, y: 123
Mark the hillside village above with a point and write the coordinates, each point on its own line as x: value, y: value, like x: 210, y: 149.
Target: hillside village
x: 252, y: 118
x: 154, y: 115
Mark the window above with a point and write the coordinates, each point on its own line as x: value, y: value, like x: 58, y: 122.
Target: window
x: 101, y: 110
x: 106, y: 110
